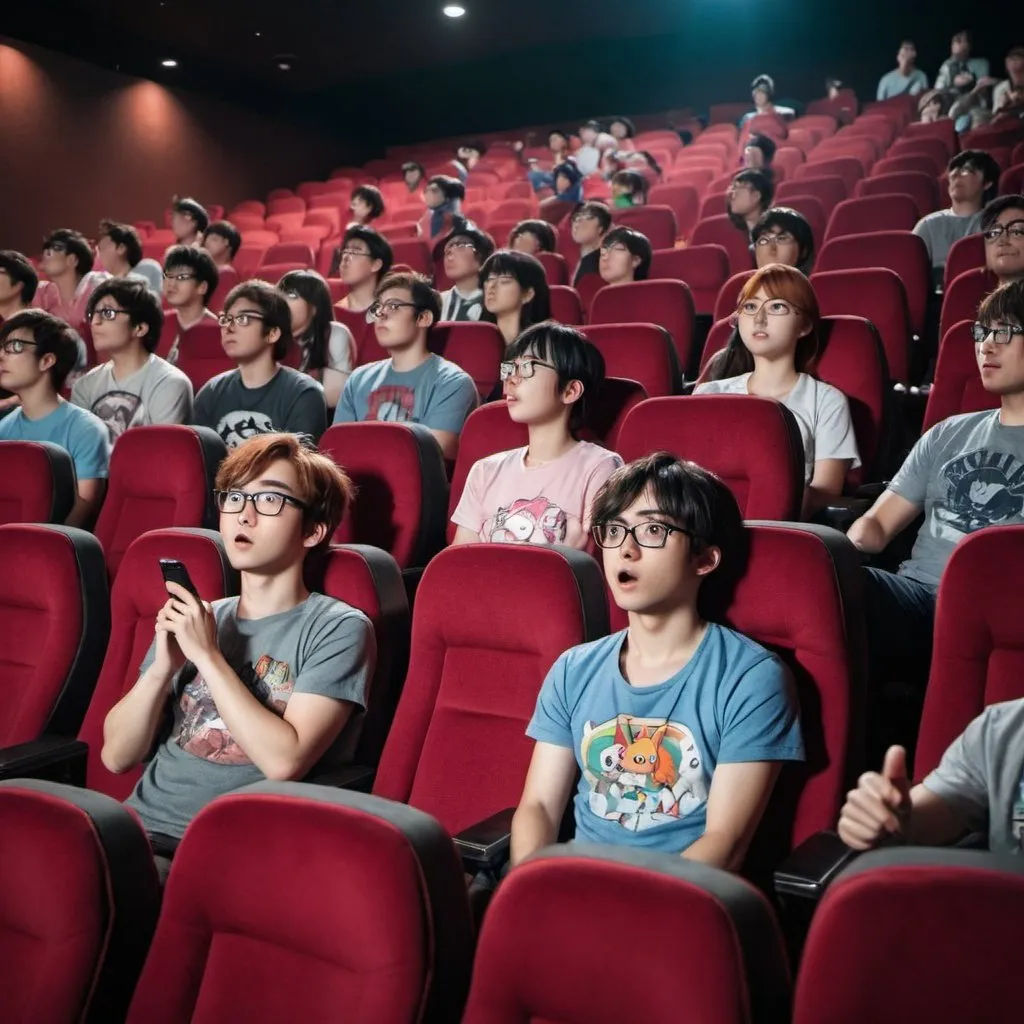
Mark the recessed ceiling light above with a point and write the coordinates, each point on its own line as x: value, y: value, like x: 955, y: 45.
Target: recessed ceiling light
x: 453, y: 11
x: 283, y: 65
x: 169, y: 63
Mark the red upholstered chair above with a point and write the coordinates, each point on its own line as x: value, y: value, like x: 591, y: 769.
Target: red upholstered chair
x: 849, y: 168
x: 964, y: 295
x: 956, y: 387
x: 475, y: 347
x: 616, y: 397
x: 368, y: 919
x: 901, y: 164
x: 402, y: 488
x: 856, y: 965
x: 180, y: 494
x: 665, y: 303
x: 658, y: 223
x: 566, y: 306
x: 201, y: 356
x: 273, y: 272
x: 717, y: 339
x: 80, y: 897
x: 641, y: 352
x: 830, y: 191
x: 227, y: 278
x: 736, y: 974
x: 729, y: 295
x: 54, y: 627
x: 872, y: 213
x: 813, y: 211
x: 684, y: 201
x: 703, y: 268
x: 721, y: 231
x: 37, y: 482
x: 922, y: 188
x: 289, y: 252
x: 967, y: 253
x: 555, y: 268
x: 938, y: 149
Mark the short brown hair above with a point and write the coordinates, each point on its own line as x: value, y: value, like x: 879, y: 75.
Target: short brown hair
x: 424, y: 297
x: 323, y: 486
x: 1005, y: 305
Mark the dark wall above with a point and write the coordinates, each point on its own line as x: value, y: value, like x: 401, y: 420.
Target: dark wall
x: 78, y: 143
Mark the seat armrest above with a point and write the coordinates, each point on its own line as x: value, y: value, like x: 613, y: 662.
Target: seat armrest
x: 357, y: 777
x: 842, y: 513
x: 485, y: 846
x: 809, y: 870
x: 57, y: 758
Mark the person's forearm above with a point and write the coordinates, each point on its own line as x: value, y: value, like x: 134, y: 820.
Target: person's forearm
x: 130, y: 726
x: 718, y: 850
x: 532, y: 830
x: 82, y: 513
x: 867, y: 535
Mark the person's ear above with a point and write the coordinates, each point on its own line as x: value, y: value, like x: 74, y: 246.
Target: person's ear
x: 528, y: 296
x: 808, y: 326
x: 708, y: 561
x: 273, y: 335
x: 203, y: 288
x: 315, y: 536
x: 46, y: 362
x: 376, y: 266
x: 425, y: 318
x: 572, y: 392
x: 141, y: 330
x: 636, y: 262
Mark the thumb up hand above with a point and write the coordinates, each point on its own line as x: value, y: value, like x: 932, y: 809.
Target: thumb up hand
x: 879, y: 806
x: 894, y: 771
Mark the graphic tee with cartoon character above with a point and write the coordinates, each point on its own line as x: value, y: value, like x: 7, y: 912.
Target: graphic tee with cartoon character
x: 647, y: 754
x: 968, y: 473
x: 506, y: 501
x: 321, y: 646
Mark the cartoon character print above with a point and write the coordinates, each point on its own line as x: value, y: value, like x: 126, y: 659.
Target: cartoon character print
x: 529, y: 521
x: 203, y: 733
x: 983, y: 488
x: 642, y: 772
x: 239, y: 426
x: 393, y: 403
x: 119, y: 410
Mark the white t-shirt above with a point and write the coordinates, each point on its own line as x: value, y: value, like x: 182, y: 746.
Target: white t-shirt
x: 340, y: 350
x: 822, y: 413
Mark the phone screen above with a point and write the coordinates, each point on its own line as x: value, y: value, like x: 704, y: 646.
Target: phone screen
x: 174, y: 571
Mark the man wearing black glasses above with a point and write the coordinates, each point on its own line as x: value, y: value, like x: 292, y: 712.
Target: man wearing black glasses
x: 67, y: 263
x: 261, y: 685
x: 1002, y: 225
x: 190, y: 278
x: 677, y: 726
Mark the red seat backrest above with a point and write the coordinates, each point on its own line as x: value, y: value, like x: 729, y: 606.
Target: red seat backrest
x: 476, y: 347
x: 228, y: 277
x: 967, y: 253
x: 937, y: 149
x: 641, y: 352
x: 922, y: 188
x: 556, y: 270
x: 413, y: 252
x: 729, y: 295
x: 657, y: 223
x: 201, y: 352
x: 848, y: 168
x: 566, y: 306
x: 813, y: 211
x: 964, y: 296
x: 721, y: 231
x: 665, y: 303
x: 684, y: 201
x: 704, y: 269
x: 956, y: 387
x: 290, y: 252
x: 830, y: 191
x: 899, y: 164
x: 872, y: 213
x: 37, y: 482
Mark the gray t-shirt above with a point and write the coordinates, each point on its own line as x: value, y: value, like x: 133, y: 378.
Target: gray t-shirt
x: 941, y: 229
x: 290, y: 402
x: 438, y: 394
x: 981, y: 776
x: 895, y: 83
x: 321, y: 646
x: 158, y: 393
x: 967, y: 473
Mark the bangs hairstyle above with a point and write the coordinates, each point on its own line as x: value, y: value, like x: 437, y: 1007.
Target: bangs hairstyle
x: 199, y: 261
x: 633, y: 181
x: 135, y: 298
x: 637, y: 243
x: 371, y: 195
x: 424, y: 297
x: 20, y: 270
x: 990, y: 214
x: 786, y: 219
x: 540, y: 229
x: 1004, y: 306
x: 226, y: 230
x: 75, y: 244
x: 529, y: 273
x: 599, y: 211
x: 326, y: 489
x: 980, y: 161
x: 573, y: 357
x: 52, y: 336
x: 126, y: 235
x: 376, y: 244
x: 309, y: 285
x: 270, y: 302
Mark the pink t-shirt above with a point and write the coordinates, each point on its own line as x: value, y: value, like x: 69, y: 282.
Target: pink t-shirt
x: 48, y: 298
x: 506, y: 501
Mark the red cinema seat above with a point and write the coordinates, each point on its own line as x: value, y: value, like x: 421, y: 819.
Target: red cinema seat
x: 848, y: 168
x: 361, y: 329
x: 413, y: 252
x: 739, y: 974
x: 227, y: 278
x: 930, y: 147
x: 587, y: 287
x: 37, y: 482
x: 642, y: 352
x: 715, y: 200
x: 964, y: 295
x: 289, y: 252
x: 753, y: 444
x: 54, y: 628
x: 248, y: 258
x: 180, y: 494
x: 926, y: 900
x: 665, y: 303
x: 201, y: 354
x: 900, y: 164
x: 80, y: 899
x: 872, y: 213
x: 967, y: 253
x: 684, y: 202
x: 283, y: 201
x: 657, y: 223
x: 566, y: 307
x: 373, y: 924
x: 556, y: 270
x: 943, y: 129
x: 605, y: 417
x: 813, y: 211
x: 402, y: 488
x: 477, y: 348
x: 721, y: 231
x: 273, y: 272
x: 829, y: 191
x: 956, y: 387
x: 717, y: 339
x: 704, y: 269
x: 922, y: 188
x: 1011, y: 181
x: 729, y: 295
x: 692, y: 175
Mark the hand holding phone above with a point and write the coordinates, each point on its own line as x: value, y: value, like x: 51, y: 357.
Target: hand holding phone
x: 174, y: 571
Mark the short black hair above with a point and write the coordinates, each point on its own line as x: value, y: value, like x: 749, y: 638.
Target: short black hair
x: 573, y: 357
x: 411, y: 165
x: 194, y: 209
x: 19, y: 268
x: 765, y: 143
x: 309, y: 285
x: 1004, y: 305
x: 126, y: 235
x: 424, y: 297
x: 371, y: 195
x: 226, y: 230
x: 379, y: 246
x: 540, y: 229
x: 451, y: 188
x: 52, y: 337
x: 990, y: 214
x: 558, y: 131
x: 634, y: 181
x: 765, y: 83
x: 759, y: 181
x: 77, y: 245
x: 787, y: 219
x: 273, y: 307
x: 199, y: 261
x: 136, y: 299
x: 637, y: 243
x: 529, y: 273
x: 475, y: 144
x: 598, y: 210
x: 625, y: 121
x: 982, y: 161
x: 483, y: 244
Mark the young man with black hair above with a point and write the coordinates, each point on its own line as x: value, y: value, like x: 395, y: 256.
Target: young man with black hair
x: 1002, y: 225
x: 678, y: 726
x: 443, y: 198
x: 37, y: 352
x: 261, y: 685
x: 18, y: 283
x: 367, y: 204
x: 120, y: 252
x: 413, y: 175
x: 68, y: 265
x: 759, y: 152
x: 190, y: 278
x: 590, y: 223
x: 189, y: 220
x: 414, y: 385
x: 541, y: 494
x: 533, y: 237
x: 905, y: 79
x: 133, y: 387
x: 260, y: 396
x: 626, y: 256
x: 222, y: 240
x: 465, y: 250
x: 363, y: 261
x: 748, y: 197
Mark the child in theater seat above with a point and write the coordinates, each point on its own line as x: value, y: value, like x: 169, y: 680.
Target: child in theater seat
x: 541, y: 494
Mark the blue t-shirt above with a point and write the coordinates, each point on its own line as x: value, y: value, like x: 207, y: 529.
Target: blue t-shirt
x: 438, y: 394
x: 647, y: 754
x: 81, y: 434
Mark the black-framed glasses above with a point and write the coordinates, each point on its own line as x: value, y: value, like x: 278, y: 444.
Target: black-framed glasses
x: 15, y: 346
x: 239, y: 319
x: 615, y: 247
x: 107, y: 313
x: 266, y: 503
x: 781, y: 238
x: 355, y: 252
x: 454, y: 246
x: 648, y: 534
x: 179, y: 277
x: 524, y: 369
x: 1001, y: 335
x: 60, y: 247
x: 773, y: 307
x: 388, y: 308
x: 1015, y: 229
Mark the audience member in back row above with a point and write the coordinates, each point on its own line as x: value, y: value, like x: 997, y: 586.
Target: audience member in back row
x: 533, y: 236
x: 629, y: 188
x: 261, y: 685
x: 443, y: 198
x: 749, y: 196
x: 363, y: 260
x: 222, y: 240
x: 966, y: 473
x: 189, y: 220
x: 590, y: 223
x: 1009, y: 93
x: 67, y: 263
x: 190, y: 278
x: 367, y: 205
x: 133, y: 387
x: 464, y: 252
x: 37, y: 352
x: 541, y: 494
x: 327, y: 351
x: 960, y: 70
x: 775, y: 341
x: 595, y: 142
x: 677, y: 726
x: 973, y: 179
x: 413, y: 175
x: 567, y: 182
x: 1002, y: 225
x: 626, y: 256
x: 905, y: 79
x: 120, y: 251
x: 414, y: 385
x: 18, y: 283
x: 783, y: 235
x: 762, y: 92
x: 516, y: 294
x: 260, y: 396
x: 759, y: 152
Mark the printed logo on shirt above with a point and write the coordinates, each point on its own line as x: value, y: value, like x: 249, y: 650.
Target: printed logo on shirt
x: 983, y: 488
x: 529, y: 521
x: 392, y: 403
x: 642, y: 772
x: 203, y: 733
x: 119, y: 410
x: 1017, y: 818
x: 240, y: 425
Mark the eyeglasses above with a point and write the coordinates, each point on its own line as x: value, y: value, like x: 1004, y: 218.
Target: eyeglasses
x: 266, y: 503
x: 378, y: 310
x: 736, y: 186
x: 239, y: 319
x: 615, y: 247
x: 1015, y: 229
x: 15, y: 346
x: 781, y: 238
x: 524, y: 369
x: 580, y: 217
x: 773, y: 307
x: 53, y: 247
x: 179, y: 277
x: 354, y: 252
x: 453, y: 246
x: 650, y: 534
x: 1001, y: 335
x: 107, y: 313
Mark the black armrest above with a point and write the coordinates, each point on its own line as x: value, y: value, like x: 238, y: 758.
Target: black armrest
x: 57, y: 758
x: 809, y: 870
x: 841, y: 513
x: 485, y: 846
x: 357, y: 777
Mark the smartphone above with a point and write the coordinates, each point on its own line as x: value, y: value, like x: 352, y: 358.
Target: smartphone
x: 174, y: 571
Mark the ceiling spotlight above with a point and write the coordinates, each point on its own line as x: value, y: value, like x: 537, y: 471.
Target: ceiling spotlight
x: 284, y: 61
x: 453, y: 11
x: 169, y: 63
